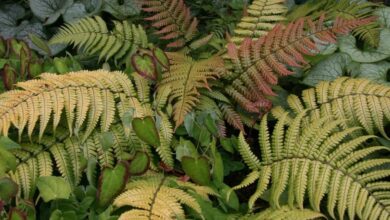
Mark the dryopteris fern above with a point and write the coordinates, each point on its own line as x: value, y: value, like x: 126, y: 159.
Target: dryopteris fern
x: 315, y: 161
x: 258, y: 64
x: 93, y: 36
x: 68, y: 155
x: 158, y: 197
x: 86, y: 97
x: 346, y: 9
x: 184, y: 78
x: 173, y: 20
x: 286, y: 213
x: 262, y: 16
x: 359, y: 102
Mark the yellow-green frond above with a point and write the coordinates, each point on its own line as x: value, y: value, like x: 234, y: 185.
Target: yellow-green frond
x: 286, y: 213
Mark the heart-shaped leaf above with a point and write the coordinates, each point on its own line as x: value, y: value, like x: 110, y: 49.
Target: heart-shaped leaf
x: 197, y: 169
x: 145, y: 65
x: 146, y: 130
x: 53, y: 187
x: 186, y: 148
x: 8, y: 189
x: 161, y: 57
x: 111, y: 183
x: 140, y: 163
x: 49, y: 10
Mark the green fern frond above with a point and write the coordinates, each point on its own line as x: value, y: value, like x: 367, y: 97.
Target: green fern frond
x: 62, y: 93
x: 360, y: 102
x: 337, y: 167
x: 93, y: 37
x: 286, y: 213
x: 262, y: 16
x: 184, y: 78
x: 166, y: 134
x: 345, y: 9
x: 154, y: 197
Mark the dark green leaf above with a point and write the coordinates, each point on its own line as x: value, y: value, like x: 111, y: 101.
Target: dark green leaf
x: 197, y: 169
x: 8, y: 144
x: 8, y: 189
x: 186, y: 148
x: 146, y: 130
x: 52, y: 187
x: 139, y: 164
x: 49, y: 10
x: 161, y: 57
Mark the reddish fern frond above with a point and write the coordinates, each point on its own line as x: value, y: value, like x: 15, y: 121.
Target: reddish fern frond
x: 173, y: 20
x: 257, y: 64
x: 231, y: 116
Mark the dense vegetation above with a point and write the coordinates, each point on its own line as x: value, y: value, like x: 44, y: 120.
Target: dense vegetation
x: 173, y: 109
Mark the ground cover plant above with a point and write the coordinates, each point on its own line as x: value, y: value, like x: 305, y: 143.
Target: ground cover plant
x: 173, y: 109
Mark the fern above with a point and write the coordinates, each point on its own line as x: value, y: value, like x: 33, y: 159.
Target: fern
x: 173, y: 20
x: 66, y: 154
x: 319, y: 160
x: 286, y: 213
x: 157, y: 197
x: 83, y: 96
x: 92, y: 35
x: 262, y: 16
x: 258, y: 64
x: 359, y: 102
x: 345, y: 9
x: 184, y: 78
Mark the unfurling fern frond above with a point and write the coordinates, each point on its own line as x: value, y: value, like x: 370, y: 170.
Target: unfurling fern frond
x: 262, y: 16
x: 173, y: 20
x: 317, y: 161
x: 86, y: 97
x: 93, y: 36
x: 286, y: 213
x: 184, y: 78
x: 359, y: 102
x: 66, y: 155
x: 258, y: 64
x: 345, y: 9
x: 158, y: 197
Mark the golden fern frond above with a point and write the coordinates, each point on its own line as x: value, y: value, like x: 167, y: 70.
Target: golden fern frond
x: 173, y: 20
x: 319, y: 160
x: 166, y: 134
x: 185, y: 77
x: 93, y: 36
x: 286, y: 213
x: 257, y: 65
x: 86, y: 97
x: 66, y: 155
x: 345, y: 9
x: 359, y: 102
x: 154, y: 197
x: 262, y: 16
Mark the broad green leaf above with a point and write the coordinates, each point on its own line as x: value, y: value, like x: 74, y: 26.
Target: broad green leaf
x: 383, y: 14
x: 111, y: 183
x: 348, y: 45
x: 7, y: 161
x: 218, y: 171
x: 328, y: 69
x: 211, y: 125
x: 232, y: 201
x: 197, y: 169
x: 49, y: 11
x: 8, y: 189
x: 60, y: 215
x: 374, y: 71
x: 53, y: 187
x: 121, y: 9
x: 8, y: 144
x: 75, y: 12
x: 107, y: 140
x: 139, y: 164
x: 161, y: 57
x: 186, y: 148
x: 145, y: 65
x: 16, y: 214
x: 146, y: 130
x: 91, y: 171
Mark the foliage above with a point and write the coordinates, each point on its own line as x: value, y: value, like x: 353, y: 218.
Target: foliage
x: 128, y: 124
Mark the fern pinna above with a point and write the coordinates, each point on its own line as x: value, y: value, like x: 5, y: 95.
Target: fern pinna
x: 93, y: 37
x: 359, y: 102
x: 315, y: 161
x: 258, y: 64
x: 173, y: 20
x: 262, y: 16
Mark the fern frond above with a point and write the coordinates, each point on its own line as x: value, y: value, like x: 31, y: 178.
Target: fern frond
x: 166, y: 134
x: 93, y: 37
x: 286, y: 213
x: 257, y: 65
x: 345, y: 9
x: 360, y: 102
x: 172, y: 19
x: 153, y: 197
x: 62, y: 93
x: 342, y: 170
x: 262, y: 16
x: 184, y: 78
